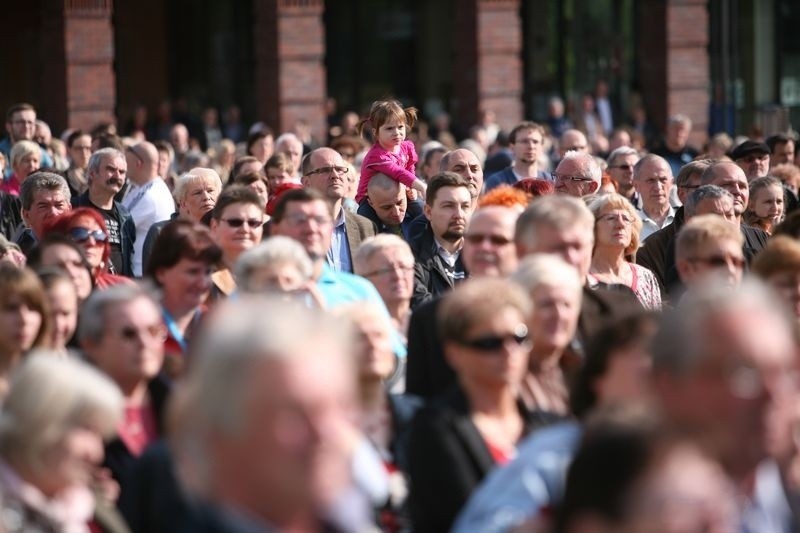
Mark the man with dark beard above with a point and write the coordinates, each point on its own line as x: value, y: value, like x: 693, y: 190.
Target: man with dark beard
x: 106, y: 174
x: 448, y: 207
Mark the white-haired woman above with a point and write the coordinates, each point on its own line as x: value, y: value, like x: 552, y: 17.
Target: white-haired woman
x: 616, y: 229
x: 25, y: 160
x: 555, y: 288
x: 52, y: 427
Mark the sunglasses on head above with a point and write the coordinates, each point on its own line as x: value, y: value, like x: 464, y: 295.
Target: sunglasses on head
x: 492, y: 343
x: 83, y: 234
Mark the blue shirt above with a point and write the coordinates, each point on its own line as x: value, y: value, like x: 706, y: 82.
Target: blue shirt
x: 339, y: 252
x: 516, y: 492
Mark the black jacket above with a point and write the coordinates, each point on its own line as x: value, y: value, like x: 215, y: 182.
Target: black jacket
x: 127, y: 231
x: 10, y: 215
x: 430, y: 273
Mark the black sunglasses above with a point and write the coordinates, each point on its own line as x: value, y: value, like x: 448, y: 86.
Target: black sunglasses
x: 83, y: 234
x: 492, y: 343
x: 237, y: 222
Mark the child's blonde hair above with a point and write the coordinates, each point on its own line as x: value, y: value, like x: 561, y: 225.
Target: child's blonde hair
x: 383, y: 111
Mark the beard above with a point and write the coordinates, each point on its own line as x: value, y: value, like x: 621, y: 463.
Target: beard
x: 452, y: 235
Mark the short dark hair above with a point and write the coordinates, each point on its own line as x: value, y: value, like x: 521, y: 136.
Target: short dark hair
x: 304, y: 196
x: 445, y: 179
x: 526, y: 125
x: 239, y: 163
x: 235, y: 194
x: 182, y: 239
x: 74, y: 136
x: 246, y: 178
x: 263, y: 133
x: 779, y: 138
x: 16, y: 108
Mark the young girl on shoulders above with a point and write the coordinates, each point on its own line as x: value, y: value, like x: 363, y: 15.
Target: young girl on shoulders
x: 391, y: 154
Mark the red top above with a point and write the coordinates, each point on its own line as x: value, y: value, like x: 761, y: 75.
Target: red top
x: 138, y: 429
x: 498, y: 454
x: 11, y: 185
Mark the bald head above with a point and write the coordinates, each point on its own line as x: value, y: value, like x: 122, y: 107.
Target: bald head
x: 573, y: 140
x: 466, y: 164
x: 142, y: 159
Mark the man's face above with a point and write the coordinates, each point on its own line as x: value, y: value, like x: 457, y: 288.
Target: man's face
x: 80, y: 151
x: 328, y: 174
x: 784, y: 153
x: 573, y: 180
x: 391, y: 270
x: 654, y: 181
x: 293, y: 149
x: 750, y: 368
x: 677, y: 135
x: 110, y: 177
x: 310, y: 224
x: 294, y: 423
x: 755, y: 165
x: 132, y: 346
x: 489, y: 242
x: 46, y: 206
x: 622, y: 171
x: 574, y: 141
x: 731, y: 177
x: 450, y: 213
x: 430, y: 169
x: 466, y: 164
x: 574, y: 245
x: 717, y: 206
x: 391, y: 205
x: 689, y: 187
x: 22, y: 126
x: 179, y: 138
x: 720, y: 258
x: 527, y: 146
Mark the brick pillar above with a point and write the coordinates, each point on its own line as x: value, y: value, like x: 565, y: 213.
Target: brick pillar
x: 289, y: 42
x: 674, y: 62
x: 78, y: 63
x: 488, y: 63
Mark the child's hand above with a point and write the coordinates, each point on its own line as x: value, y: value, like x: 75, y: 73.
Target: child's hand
x: 420, y: 186
x: 411, y: 195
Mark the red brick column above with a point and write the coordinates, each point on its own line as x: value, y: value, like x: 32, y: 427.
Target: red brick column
x: 488, y: 65
x: 674, y: 63
x: 289, y: 50
x: 78, y: 63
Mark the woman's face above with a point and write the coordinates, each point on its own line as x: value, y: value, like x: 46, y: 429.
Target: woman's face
x: 768, y: 203
x: 87, y: 233
x: 493, y: 365
x: 69, y: 260
x: 26, y: 166
x: 238, y: 229
x: 263, y: 148
x: 787, y: 285
x: 199, y: 199
x: 187, y: 283
x: 19, y: 325
x: 555, y: 317
x: 71, y: 461
x: 63, y: 302
x: 614, y: 228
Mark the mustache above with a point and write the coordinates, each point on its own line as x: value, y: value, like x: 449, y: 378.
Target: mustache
x: 115, y: 181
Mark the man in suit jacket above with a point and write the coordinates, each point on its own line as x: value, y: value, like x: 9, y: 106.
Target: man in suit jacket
x: 325, y: 171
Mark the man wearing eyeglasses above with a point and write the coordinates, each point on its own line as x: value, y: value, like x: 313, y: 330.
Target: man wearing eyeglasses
x: 148, y: 198
x: 709, y: 246
x: 578, y: 174
x: 21, y: 126
x: 620, y: 167
x: 324, y: 170
x: 527, y: 142
x: 106, y: 175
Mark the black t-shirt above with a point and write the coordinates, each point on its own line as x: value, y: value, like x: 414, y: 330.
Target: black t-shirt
x: 114, y: 228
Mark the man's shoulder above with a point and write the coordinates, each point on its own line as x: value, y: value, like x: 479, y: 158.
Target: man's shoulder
x: 500, y: 177
x: 361, y: 222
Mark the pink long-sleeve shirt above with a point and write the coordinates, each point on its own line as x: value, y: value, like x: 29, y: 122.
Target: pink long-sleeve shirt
x: 399, y: 167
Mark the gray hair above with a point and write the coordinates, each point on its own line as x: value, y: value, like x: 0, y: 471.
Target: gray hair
x: 21, y: 149
x: 704, y: 192
x: 587, y: 163
x: 622, y: 151
x: 287, y: 137
x: 276, y: 250
x: 190, y: 178
x: 372, y: 245
x: 94, y: 316
x: 646, y: 160
x: 549, y: 270
x: 556, y: 211
x: 679, y: 118
x: 42, y: 181
x: 97, y: 158
x: 382, y: 182
x: 49, y: 396
x: 680, y: 345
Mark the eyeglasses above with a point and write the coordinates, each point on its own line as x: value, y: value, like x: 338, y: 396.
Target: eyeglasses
x: 391, y: 269
x: 298, y: 219
x: 82, y: 235
x: 492, y: 343
x: 478, y: 238
x: 238, y: 222
x: 613, y: 217
x: 561, y: 177
x: 155, y: 332
x: 328, y: 170
x: 720, y: 261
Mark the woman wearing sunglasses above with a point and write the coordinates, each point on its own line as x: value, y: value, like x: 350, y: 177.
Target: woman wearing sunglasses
x: 236, y: 224
x: 477, y: 423
x: 85, y: 227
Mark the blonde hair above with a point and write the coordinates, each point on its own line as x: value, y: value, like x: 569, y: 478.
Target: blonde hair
x: 603, y: 203
x: 22, y: 149
x: 701, y: 230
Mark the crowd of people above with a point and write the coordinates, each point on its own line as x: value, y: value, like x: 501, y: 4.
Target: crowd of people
x: 568, y: 327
